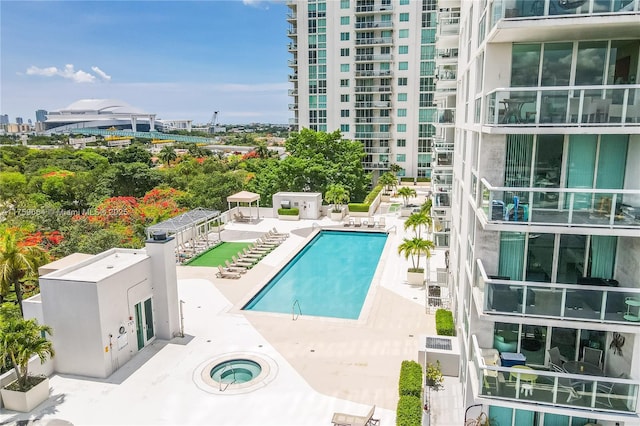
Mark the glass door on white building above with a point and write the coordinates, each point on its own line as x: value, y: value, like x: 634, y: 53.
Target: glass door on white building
x: 144, y: 323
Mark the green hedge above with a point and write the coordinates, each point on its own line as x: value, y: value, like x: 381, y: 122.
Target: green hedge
x: 289, y: 212
x: 444, y: 323
x: 410, y: 382
x: 409, y: 411
x: 423, y: 179
x: 358, y: 207
x: 373, y: 194
x: 406, y: 179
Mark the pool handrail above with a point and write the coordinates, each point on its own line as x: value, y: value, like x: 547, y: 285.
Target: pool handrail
x: 295, y: 316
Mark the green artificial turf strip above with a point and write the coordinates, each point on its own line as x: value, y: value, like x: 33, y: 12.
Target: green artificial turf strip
x: 217, y: 255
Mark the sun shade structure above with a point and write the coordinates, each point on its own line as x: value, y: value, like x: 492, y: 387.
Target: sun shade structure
x: 245, y: 197
x: 186, y: 226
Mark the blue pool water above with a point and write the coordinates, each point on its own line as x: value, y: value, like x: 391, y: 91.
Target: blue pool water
x: 330, y: 277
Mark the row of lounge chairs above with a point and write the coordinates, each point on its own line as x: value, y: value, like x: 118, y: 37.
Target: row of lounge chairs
x: 194, y: 247
x: 369, y: 222
x: 251, y: 255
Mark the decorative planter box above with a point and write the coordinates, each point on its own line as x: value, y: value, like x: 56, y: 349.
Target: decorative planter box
x: 26, y: 401
x: 415, y: 278
x: 288, y: 217
x: 385, y: 198
x: 337, y: 216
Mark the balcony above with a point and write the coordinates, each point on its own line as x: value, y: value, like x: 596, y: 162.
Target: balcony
x: 292, y: 92
x: 292, y: 47
x: 293, y: 63
x: 292, y: 32
x: 373, y: 8
x: 598, y: 301
x: 443, y: 160
x: 443, y: 147
x: 373, y: 105
x: 446, y: 116
x: 376, y: 166
x: 614, y: 210
x: 373, y: 41
x: 292, y: 16
x: 293, y: 77
x: 373, y: 135
x: 373, y: 120
x: 611, y: 106
x: 373, y: 89
x: 376, y: 150
x: 372, y: 73
x: 448, y: 24
x: 536, y: 8
x: 293, y: 107
x: 373, y: 58
x: 582, y: 395
x: 372, y: 25
x: 293, y: 121
x: 446, y: 55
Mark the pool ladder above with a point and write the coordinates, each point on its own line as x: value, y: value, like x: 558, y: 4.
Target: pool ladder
x: 294, y: 314
x: 229, y: 383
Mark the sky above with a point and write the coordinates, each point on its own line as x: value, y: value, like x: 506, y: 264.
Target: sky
x: 180, y: 60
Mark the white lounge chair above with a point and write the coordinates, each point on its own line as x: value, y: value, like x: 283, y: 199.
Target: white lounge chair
x: 248, y: 263
x: 235, y: 268
x: 342, y: 419
x: 371, y: 223
x: 381, y: 222
x: 275, y: 232
x: 254, y: 255
x: 357, y: 223
x: 222, y: 273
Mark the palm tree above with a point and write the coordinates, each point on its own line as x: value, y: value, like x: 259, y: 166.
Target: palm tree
x: 388, y: 180
x: 17, y: 264
x: 21, y: 339
x: 416, y: 222
x: 167, y: 155
x: 414, y: 248
x: 405, y: 192
x: 336, y: 194
x: 426, y: 207
x: 261, y: 150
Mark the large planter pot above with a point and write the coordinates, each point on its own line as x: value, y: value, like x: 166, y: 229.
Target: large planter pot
x: 415, y: 278
x: 25, y: 401
x: 288, y: 217
x: 337, y: 216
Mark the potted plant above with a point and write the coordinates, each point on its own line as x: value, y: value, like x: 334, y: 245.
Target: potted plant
x: 336, y: 194
x: 20, y: 340
x: 434, y: 376
x: 414, y: 248
x: 405, y: 192
x: 289, y: 214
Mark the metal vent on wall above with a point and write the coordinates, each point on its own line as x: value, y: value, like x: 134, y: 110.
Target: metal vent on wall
x: 437, y: 343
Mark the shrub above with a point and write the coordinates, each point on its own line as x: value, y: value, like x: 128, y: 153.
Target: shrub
x: 409, y: 411
x: 373, y: 194
x: 289, y: 212
x: 406, y: 179
x: 423, y: 179
x: 444, y: 323
x: 410, y: 382
x: 359, y: 207
x: 435, y: 379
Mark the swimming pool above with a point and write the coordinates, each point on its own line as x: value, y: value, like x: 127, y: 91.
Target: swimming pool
x: 329, y: 277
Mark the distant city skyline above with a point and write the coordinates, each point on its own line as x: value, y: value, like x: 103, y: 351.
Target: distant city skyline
x: 179, y: 60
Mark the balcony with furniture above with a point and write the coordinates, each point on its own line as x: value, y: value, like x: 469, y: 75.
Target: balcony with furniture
x: 563, y: 207
x: 614, y: 105
x: 615, y: 398
x: 497, y: 296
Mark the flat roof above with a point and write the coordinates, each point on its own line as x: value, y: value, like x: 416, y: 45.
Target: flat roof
x: 100, y: 266
x: 62, y: 263
x: 184, y: 221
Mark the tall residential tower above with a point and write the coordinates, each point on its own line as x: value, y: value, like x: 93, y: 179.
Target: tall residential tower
x: 367, y: 68
x: 545, y: 204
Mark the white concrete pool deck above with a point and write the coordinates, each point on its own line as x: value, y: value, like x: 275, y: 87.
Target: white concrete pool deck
x: 321, y: 365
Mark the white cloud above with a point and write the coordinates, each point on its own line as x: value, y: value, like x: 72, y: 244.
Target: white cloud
x: 69, y: 72
x: 101, y: 73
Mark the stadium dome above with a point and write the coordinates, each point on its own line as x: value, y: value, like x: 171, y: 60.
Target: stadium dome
x: 99, y: 114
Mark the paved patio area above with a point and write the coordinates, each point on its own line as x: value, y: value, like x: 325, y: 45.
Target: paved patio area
x: 320, y: 365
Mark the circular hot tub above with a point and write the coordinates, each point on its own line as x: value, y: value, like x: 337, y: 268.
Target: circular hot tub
x: 235, y: 373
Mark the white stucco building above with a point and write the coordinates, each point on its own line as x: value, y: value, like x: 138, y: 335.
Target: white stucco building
x: 103, y: 309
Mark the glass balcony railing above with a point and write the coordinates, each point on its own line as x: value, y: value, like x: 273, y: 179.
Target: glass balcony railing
x: 558, y: 389
x: 446, y: 54
x: 373, y: 89
x: 446, y: 116
x: 534, y: 8
x: 373, y: 120
x: 373, y: 135
x: 547, y: 205
x: 610, y: 105
x: 373, y: 73
x: 376, y: 166
x: 372, y: 58
x: 371, y: 41
x: 598, y: 301
x: 373, y: 104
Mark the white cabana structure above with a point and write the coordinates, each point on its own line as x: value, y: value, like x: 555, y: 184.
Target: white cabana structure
x: 244, y: 197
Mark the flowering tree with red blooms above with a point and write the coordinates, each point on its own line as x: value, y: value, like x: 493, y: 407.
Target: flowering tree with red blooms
x: 160, y: 204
